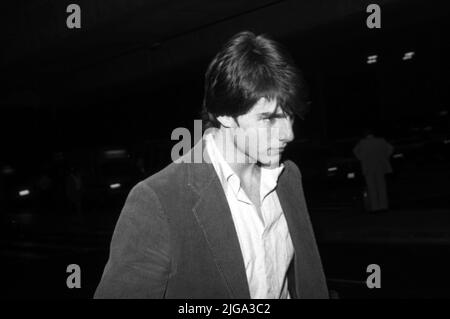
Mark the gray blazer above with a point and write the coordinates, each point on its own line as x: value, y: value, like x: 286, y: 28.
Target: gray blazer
x: 175, y: 238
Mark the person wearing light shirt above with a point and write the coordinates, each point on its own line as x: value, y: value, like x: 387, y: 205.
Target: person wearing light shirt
x: 374, y: 153
x: 234, y: 224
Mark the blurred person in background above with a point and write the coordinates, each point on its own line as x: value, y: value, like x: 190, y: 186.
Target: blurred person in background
x: 374, y: 153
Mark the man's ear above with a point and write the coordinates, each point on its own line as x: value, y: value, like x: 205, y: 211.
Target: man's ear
x: 227, y: 121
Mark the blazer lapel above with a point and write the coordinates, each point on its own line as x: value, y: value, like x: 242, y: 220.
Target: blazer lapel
x: 214, y: 217
x: 308, y: 273
x: 287, y: 202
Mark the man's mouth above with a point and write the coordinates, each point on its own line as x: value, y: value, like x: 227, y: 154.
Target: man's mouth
x: 277, y: 150
x: 280, y: 149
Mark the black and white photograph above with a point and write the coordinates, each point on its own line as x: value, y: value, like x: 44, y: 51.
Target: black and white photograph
x: 201, y: 150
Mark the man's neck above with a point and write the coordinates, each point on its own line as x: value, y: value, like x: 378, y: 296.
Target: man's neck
x: 247, y: 171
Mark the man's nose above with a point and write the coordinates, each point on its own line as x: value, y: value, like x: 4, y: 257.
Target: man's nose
x: 286, y: 130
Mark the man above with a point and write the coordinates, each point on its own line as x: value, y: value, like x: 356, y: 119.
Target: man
x: 374, y: 153
x: 225, y: 228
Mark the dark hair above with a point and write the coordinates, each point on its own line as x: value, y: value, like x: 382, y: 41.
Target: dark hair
x: 246, y: 69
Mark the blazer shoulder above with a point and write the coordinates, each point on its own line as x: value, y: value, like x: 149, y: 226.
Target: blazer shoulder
x: 292, y: 168
x: 170, y: 176
x: 169, y: 183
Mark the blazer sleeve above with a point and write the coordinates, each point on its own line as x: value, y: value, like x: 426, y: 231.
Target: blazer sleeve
x: 139, y: 260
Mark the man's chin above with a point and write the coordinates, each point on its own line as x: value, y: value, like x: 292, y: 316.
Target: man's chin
x: 271, y: 162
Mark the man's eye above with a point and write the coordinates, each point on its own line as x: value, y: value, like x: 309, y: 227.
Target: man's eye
x: 269, y: 120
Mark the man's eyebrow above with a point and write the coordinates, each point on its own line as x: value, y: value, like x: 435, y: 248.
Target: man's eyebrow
x: 271, y: 115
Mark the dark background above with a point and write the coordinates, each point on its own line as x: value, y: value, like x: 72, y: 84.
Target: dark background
x: 103, y: 100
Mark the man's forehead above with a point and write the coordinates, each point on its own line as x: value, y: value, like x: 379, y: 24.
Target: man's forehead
x: 264, y: 106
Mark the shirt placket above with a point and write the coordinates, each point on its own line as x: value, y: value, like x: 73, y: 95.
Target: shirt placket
x: 269, y: 251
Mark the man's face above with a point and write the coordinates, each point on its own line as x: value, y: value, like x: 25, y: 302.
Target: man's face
x: 262, y: 134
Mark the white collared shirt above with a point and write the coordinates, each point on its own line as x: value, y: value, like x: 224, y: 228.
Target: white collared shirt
x: 266, y: 247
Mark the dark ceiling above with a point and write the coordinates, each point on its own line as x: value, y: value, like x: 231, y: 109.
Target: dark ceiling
x: 134, y: 70
x: 123, y: 41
